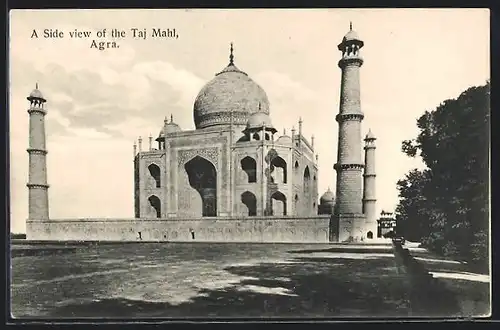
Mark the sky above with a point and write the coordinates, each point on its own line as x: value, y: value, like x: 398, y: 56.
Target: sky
x: 101, y: 101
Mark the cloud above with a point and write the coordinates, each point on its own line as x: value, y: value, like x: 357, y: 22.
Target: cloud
x: 88, y: 99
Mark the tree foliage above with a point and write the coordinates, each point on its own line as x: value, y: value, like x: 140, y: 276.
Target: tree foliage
x: 446, y: 205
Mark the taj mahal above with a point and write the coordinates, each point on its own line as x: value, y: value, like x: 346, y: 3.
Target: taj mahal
x: 234, y: 178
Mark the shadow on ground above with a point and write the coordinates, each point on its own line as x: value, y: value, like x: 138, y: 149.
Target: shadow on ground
x: 340, y: 249
x: 305, y: 287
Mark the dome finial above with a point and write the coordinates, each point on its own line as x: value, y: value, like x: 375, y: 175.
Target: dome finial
x: 350, y: 25
x: 231, y: 56
x: 259, y: 106
x: 171, y: 118
x: 36, y: 85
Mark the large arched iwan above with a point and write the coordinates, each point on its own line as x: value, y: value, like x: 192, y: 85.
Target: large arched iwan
x: 154, y: 170
x: 202, y: 176
x: 249, y: 199
x: 155, y: 203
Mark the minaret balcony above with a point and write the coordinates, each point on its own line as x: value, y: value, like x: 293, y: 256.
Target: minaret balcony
x: 350, y: 60
x: 33, y: 110
x: 37, y: 151
x: 37, y: 185
x: 349, y: 116
x: 341, y: 167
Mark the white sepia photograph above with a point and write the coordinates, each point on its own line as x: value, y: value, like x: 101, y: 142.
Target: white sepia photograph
x: 252, y: 163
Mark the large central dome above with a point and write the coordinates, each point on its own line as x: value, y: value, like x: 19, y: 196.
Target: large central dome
x: 232, y: 90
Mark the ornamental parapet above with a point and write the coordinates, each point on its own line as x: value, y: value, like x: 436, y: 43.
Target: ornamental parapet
x: 349, y: 116
x: 341, y: 167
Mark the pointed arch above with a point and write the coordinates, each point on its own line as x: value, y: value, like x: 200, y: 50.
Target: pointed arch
x: 249, y: 165
x: 296, y: 204
x: 154, y: 171
x: 278, y: 203
x: 155, y: 204
x: 202, y: 176
x: 278, y: 166
x: 307, y: 189
x: 249, y: 199
x: 307, y: 173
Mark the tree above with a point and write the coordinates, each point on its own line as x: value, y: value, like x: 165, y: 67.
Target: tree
x: 446, y: 205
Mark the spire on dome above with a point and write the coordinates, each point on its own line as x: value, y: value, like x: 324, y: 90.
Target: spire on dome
x: 370, y: 136
x: 351, y: 38
x: 171, y: 118
x: 36, y: 95
x: 231, y: 56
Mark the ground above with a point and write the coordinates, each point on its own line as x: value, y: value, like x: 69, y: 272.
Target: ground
x: 232, y: 280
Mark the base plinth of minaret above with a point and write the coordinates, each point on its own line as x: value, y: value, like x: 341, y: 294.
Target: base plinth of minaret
x: 348, y: 228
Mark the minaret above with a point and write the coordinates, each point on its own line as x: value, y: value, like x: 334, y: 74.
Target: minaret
x: 38, y: 199
x: 369, y: 195
x: 349, y: 166
x: 300, y: 131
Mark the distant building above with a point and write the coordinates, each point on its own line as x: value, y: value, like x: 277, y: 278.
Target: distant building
x: 326, y: 203
x: 386, y: 223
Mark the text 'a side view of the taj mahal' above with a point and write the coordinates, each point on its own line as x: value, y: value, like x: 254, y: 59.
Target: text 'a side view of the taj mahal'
x: 233, y: 178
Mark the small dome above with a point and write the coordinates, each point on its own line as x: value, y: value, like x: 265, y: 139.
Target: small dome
x: 370, y: 135
x: 168, y: 128
x: 351, y: 35
x: 172, y: 128
x: 284, y: 139
x: 36, y: 94
x: 327, y: 197
x: 258, y: 119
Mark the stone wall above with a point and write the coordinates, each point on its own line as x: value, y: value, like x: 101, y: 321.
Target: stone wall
x: 254, y: 229
x: 348, y: 227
